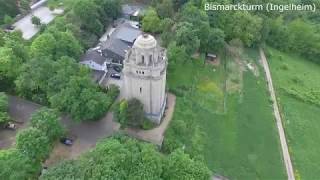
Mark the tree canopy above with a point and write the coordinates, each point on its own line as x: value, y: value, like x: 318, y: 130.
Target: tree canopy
x: 126, y: 158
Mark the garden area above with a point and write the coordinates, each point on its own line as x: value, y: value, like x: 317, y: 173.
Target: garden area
x: 297, y: 83
x: 232, y: 130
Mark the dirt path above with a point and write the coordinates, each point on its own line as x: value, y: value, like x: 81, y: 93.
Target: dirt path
x: 283, y: 141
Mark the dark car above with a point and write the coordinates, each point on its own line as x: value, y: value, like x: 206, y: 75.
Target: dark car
x: 115, y: 76
x: 117, y: 68
x: 66, y: 141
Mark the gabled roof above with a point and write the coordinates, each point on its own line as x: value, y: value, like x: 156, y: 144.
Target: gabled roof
x: 128, y: 34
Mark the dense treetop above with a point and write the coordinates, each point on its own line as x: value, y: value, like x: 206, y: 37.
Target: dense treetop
x: 126, y: 158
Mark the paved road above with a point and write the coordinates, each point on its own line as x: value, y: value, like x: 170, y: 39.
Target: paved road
x: 28, y: 29
x: 20, y: 110
x: 283, y: 141
x: 86, y: 134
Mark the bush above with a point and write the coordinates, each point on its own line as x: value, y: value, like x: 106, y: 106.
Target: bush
x: 48, y: 122
x: 148, y: 124
x: 33, y: 143
x: 35, y: 21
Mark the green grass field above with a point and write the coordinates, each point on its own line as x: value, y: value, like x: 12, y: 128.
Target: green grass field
x: 239, y: 141
x: 297, y: 84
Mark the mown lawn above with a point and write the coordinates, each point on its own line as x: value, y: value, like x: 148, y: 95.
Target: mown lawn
x: 297, y: 82
x: 239, y: 141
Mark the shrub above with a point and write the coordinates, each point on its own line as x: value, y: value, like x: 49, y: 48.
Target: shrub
x: 36, y: 20
x: 148, y: 124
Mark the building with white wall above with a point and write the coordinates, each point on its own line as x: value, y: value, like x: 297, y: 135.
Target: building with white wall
x: 144, y: 72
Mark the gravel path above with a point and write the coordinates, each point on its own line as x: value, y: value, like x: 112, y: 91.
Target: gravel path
x: 283, y: 141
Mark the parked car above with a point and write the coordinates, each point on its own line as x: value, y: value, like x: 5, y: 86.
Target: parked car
x: 115, y: 76
x: 117, y: 68
x: 11, y: 126
x: 66, y: 141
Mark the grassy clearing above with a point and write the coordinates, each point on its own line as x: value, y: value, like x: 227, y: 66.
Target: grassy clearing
x: 297, y: 83
x: 242, y: 142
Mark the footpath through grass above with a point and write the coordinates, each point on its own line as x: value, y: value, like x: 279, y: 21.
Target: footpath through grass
x: 240, y: 140
x: 297, y: 83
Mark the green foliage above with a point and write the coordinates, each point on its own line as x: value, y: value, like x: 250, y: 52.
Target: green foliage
x: 7, y: 19
x: 151, y: 21
x: 33, y: 143
x: 87, y: 11
x: 215, y: 41
x: 165, y: 9
x: 297, y: 92
x: 56, y: 44
x: 4, y: 117
x: 48, y: 122
x: 7, y: 8
x: 3, y: 102
x: 130, y: 113
x: 43, y: 46
x: 180, y: 166
x: 147, y: 124
x: 15, y: 165
x: 297, y: 36
x: 45, y: 81
x: 176, y: 54
x: 36, y: 20
x: 125, y: 158
x: 187, y: 36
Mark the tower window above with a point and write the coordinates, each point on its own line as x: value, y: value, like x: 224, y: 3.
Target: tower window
x: 142, y: 59
x: 150, y: 59
x: 140, y: 89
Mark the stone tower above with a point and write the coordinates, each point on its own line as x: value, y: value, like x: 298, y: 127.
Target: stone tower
x: 144, y: 72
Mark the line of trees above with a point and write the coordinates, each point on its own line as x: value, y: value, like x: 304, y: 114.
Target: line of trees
x: 47, y: 70
x: 121, y: 157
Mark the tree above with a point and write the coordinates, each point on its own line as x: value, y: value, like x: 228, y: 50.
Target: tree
x: 33, y: 143
x: 15, y: 165
x: 186, y: 36
x: 151, y: 21
x: 47, y: 121
x: 176, y: 54
x: 87, y: 11
x: 67, y: 45
x: 125, y: 158
x: 82, y: 99
x: 25, y: 6
x: 179, y: 166
x: 165, y: 9
x: 135, y: 113
x: 3, y: 102
x: 7, y: 19
x: 244, y: 26
x: 9, y: 64
x: 215, y: 41
x: 8, y: 8
x: 32, y: 83
x: 4, y: 117
x: 43, y: 46
x: 36, y: 20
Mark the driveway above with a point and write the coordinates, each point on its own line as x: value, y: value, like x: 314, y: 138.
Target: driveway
x: 28, y: 29
x: 85, y: 134
x: 20, y: 110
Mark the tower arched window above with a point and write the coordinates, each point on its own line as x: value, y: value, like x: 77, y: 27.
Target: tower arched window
x: 140, y: 90
x: 150, y: 59
x: 142, y: 59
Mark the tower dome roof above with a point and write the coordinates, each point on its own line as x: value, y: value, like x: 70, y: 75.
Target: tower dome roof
x: 145, y: 41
